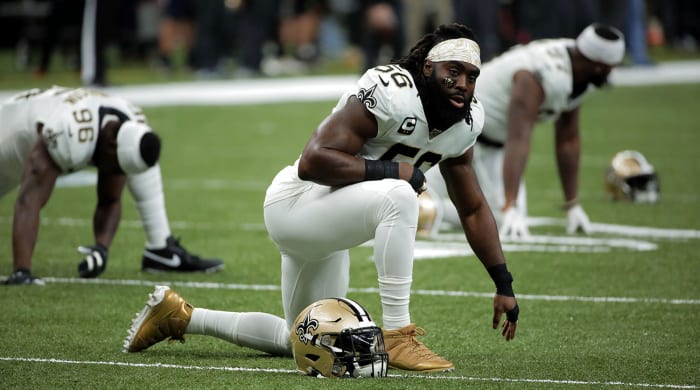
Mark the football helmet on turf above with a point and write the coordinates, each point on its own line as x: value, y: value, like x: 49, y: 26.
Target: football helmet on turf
x: 630, y: 177
x: 337, y: 338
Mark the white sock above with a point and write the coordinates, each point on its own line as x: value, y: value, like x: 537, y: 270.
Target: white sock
x: 261, y: 331
x: 396, y: 294
x: 394, y: 241
x: 147, y: 190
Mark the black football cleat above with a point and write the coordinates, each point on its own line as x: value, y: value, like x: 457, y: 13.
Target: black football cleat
x: 22, y: 276
x: 175, y: 258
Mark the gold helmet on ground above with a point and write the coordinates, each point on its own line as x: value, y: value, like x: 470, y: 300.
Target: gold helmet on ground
x: 429, y: 215
x: 337, y: 338
x: 630, y: 177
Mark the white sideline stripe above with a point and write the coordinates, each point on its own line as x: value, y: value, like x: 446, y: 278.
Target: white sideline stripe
x: 148, y: 365
x: 677, y: 72
x: 625, y: 230
x: 89, y: 178
x: 373, y: 290
x: 318, y: 88
x: 454, y: 244
x: 283, y: 371
x: 136, y: 224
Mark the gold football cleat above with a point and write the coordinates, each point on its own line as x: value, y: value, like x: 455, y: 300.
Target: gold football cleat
x: 166, y: 315
x: 407, y: 353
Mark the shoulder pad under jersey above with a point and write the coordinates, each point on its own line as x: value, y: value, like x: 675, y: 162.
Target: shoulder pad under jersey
x: 389, y: 93
x: 70, y: 132
x: 552, y: 66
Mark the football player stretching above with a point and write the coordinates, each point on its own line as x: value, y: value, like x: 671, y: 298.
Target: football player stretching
x: 44, y: 134
x: 358, y: 179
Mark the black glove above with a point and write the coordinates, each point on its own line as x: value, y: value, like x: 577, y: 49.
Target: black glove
x: 95, y: 261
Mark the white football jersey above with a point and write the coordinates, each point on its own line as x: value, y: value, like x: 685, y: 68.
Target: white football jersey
x: 549, y: 61
x: 72, y: 120
x: 390, y: 93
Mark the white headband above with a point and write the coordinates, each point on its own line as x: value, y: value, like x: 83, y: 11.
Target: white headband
x: 129, y: 147
x: 600, y: 49
x: 459, y: 49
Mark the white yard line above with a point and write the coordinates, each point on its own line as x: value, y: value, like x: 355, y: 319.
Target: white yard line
x: 370, y: 290
x: 282, y: 371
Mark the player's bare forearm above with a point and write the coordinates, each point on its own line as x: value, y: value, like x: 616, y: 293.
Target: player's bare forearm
x: 568, y: 154
x: 106, y: 222
x: 567, y: 142
x: 474, y: 212
x: 514, y: 162
x: 25, y: 227
x: 38, y: 180
x: 526, y: 97
x: 108, y: 211
x: 482, y: 235
x: 567, y: 167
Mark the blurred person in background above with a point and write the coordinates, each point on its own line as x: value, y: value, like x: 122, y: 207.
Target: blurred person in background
x: 542, y: 19
x: 483, y: 17
x: 297, y: 36
x: 636, y: 32
x: 212, y: 38
x: 422, y: 16
x: 679, y: 22
x: 235, y: 31
x: 256, y: 23
x: 45, y: 134
x: 177, y: 26
x: 61, y: 27
x: 104, y: 23
x: 382, y: 32
x: 377, y: 29
x: 629, y: 16
x: 543, y: 81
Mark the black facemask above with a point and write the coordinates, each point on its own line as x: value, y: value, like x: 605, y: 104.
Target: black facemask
x: 439, y: 111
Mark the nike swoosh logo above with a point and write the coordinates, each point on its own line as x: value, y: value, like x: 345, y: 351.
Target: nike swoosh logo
x: 385, y: 83
x: 170, y: 262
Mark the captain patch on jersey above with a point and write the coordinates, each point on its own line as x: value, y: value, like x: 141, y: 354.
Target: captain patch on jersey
x: 390, y: 94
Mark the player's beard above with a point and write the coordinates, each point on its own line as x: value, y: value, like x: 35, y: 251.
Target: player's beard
x: 437, y: 105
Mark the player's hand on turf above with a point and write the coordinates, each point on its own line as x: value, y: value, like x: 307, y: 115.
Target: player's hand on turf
x: 95, y: 261
x: 577, y: 220
x: 508, y: 305
x: 514, y: 224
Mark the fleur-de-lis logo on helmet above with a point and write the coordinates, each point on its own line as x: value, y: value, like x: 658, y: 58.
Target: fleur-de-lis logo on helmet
x: 305, y: 327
